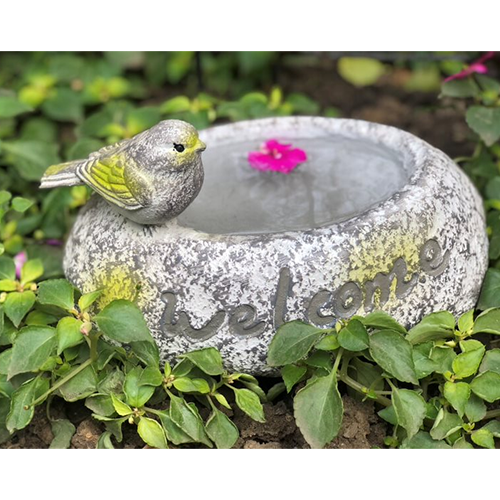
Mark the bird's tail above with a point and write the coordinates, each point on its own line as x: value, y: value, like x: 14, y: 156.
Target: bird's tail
x: 63, y: 174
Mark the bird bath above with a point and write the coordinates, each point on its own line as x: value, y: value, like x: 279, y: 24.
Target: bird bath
x: 375, y: 219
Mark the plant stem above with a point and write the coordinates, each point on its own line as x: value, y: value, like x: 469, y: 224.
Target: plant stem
x: 362, y: 389
x: 152, y: 410
x: 338, y: 357
x: 491, y: 414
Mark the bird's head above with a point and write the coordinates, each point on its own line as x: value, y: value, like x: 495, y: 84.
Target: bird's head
x: 176, y: 142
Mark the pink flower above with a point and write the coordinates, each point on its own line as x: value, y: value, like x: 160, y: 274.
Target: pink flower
x: 276, y: 157
x: 19, y: 260
x: 476, y: 67
x: 54, y: 242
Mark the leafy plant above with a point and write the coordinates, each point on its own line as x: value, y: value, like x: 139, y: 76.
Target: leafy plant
x: 55, y: 346
x: 437, y: 383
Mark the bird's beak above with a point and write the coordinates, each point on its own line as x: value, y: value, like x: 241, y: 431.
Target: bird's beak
x: 200, y: 146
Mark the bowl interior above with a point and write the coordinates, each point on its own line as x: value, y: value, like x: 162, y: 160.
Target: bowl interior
x: 343, y: 177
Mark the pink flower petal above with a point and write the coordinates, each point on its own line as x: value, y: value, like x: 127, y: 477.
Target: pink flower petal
x: 276, y: 157
x: 19, y: 260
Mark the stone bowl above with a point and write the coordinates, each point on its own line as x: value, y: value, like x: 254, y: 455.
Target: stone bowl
x: 375, y: 219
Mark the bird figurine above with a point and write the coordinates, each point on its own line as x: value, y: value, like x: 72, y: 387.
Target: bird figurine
x: 149, y: 178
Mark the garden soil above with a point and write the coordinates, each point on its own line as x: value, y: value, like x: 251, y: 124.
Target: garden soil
x: 441, y: 124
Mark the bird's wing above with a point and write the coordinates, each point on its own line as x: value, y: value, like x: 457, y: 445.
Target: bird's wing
x: 116, y: 177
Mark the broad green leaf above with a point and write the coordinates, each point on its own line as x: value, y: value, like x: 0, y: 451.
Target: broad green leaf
x: 185, y: 384
x: 68, y: 333
x: 475, y: 409
x: 101, y: 404
x: 64, y: 105
x: 185, y: 417
x: 462, y: 444
x: 104, y: 442
x: 445, y: 424
x: 360, y: 71
x: 113, y: 425
x: 58, y: 293
x: 329, y: 342
x: 250, y: 403
x: 389, y: 415
x: 354, y: 336
x: 21, y: 411
x: 490, y: 291
x: 487, y: 386
x: 410, y: 410
x: 488, y: 322
x: 458, y: 395
x: 21, y: 204
x: 221, y: 430
x: 5, y: 359
x: 368, y: 375
x: 221, y: 399
x: 491, y: 361
x: 8, y: 286
x: 7, y: 269
x: 394, y: 354
x: 484, y: 438
x: 42, y: 318
x: 207, y: 360
x: 318, y: 411
x: 5, y: 196
x: 32, y: 348
x: 123, y: 321
x: 292, y: 342
x: 485, y: 122
x: 86, y: 300
x: 424, y: 365
x: 140, y: 385
x: 423, y: 441
x: 112, y: 382
x: 291, y: 374
x: 494, y: 427
x: 177, y: 104
x: 63, y: 431
x: 10, y: 106
x: 438, y: 325
x: 182, y: 368
x: 466, y: 321
x: 80, y: 386
x: 17, y: 305
x: 120, y: 407
x: 460, y: 88
x: 467, y: 363
x: 443, y: 356
x: 174, y: 433
x: 380, y: 320
x: 152, y: 433
x: 320, y: 359
x: 146, y: 351
x: 31, y: 271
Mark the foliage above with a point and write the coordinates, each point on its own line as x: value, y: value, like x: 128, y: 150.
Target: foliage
x: 436, y: 382
x: 55, y: 346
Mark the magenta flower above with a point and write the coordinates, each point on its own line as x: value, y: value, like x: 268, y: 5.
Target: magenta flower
x: 276, y: 157
x: 54, y: 242
x: 19, y: 260
x: 476, y: 67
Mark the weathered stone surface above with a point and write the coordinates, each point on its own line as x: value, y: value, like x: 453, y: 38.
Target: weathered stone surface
x: 423, y: 249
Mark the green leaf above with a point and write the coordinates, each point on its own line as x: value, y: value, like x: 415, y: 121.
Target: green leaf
x: 445, y: 424
x: 467, y: 363
x: 101, y: 404
x: 31, y: 271
x: 458, y: 395
x: 221, y: 399
x: 207, y: 360
x: 32, y: 348
x: 146, y: 351
x: 80, y: 386
x: 475, y: 409
x: 438, y: 325
x: 7, y: 269
x: 21, y: 411
x: 292, y: 342
x: 354, y: 336
x: 490, y: 291
x: 484, y: 438
x: 491, y: 361
x: 329, y: 342
x: 250, y: 403
x: 123, y: 321
x: 494, y: 427
x: 177, y: 104
x: 221, y: 430
x: 320, y: 359
x: 188, y: 420
x: 423, y: 441
x: 63, y: 431
x: 21, y: 204
x: 360, y: 71
x: 86, y: 300
x: 68, y: 333
x: 318, y: 411
x: 17, y: 305
x: 443, y: 356
x: 380, y: 320
x: 424, y: 365
x: 64, y: 105
x: 42, y: 318
x: 488, y: 322
x: 460, y: 88
x: 10, y: 106
x: 292, y: 374
x: 140, y: 385
x: 5, y: 196
x: 485, y: 122
x: 487, y: 386
x: 31, y: 158
x: 462, y: 444
x: 152, y: 433
x: 104, y: 442
x: 410, y: 410
x: 58, y: 293
x: 8, y: 286
x: 174, y: 433
x: 394, y: 354
x: 466, y: 321
x: 185, y: 384
x: 120, y: 407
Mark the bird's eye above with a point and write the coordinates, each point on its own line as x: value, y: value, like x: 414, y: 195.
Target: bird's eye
x: 179, y: 147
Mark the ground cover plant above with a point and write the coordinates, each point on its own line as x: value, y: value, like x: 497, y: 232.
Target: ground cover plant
x: 436, y: 385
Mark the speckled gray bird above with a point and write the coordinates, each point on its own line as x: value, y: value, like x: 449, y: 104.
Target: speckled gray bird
x: 149, y: 178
